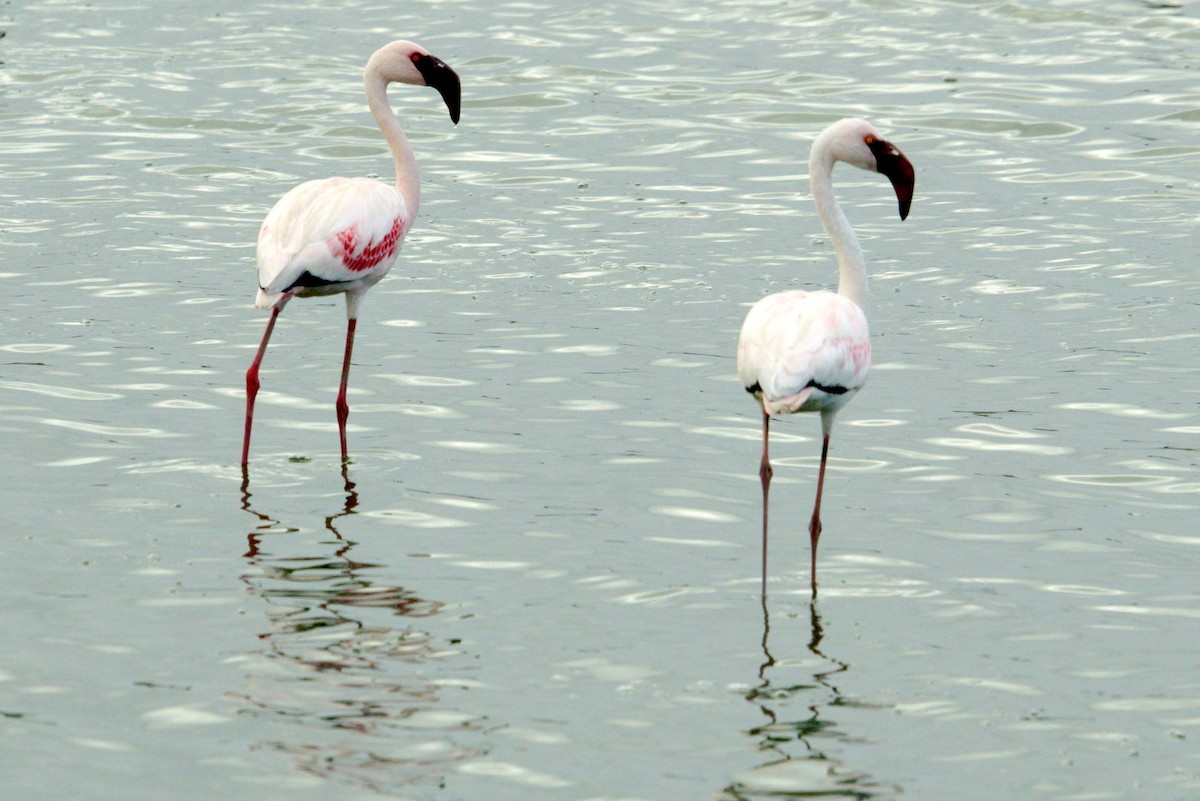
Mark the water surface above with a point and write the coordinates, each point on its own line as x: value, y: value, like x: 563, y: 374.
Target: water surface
x: 538, y: 577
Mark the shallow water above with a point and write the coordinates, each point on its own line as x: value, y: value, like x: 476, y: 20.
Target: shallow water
x: 538, y: 577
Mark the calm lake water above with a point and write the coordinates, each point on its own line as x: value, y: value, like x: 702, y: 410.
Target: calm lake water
x: 538, y: 578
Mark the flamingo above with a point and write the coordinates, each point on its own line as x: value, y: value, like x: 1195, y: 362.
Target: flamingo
x: 810, y: 351
x: 341, y: 235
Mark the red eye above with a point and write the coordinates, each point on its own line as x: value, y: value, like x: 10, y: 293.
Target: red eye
x: 415, y: 57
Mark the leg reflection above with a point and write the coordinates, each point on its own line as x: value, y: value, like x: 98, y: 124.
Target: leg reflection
x: 798, y: 763
x: 346, y: 679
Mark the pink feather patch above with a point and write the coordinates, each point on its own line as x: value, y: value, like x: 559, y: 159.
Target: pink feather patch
x: 345, y: 247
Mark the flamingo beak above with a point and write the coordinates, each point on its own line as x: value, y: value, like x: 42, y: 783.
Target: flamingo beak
x: 891, y: 162
x: 439, y: 76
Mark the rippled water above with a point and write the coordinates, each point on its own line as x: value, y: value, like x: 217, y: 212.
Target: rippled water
x: 538, y: 577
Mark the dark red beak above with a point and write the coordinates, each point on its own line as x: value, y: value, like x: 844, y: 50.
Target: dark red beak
x: 898, y: 169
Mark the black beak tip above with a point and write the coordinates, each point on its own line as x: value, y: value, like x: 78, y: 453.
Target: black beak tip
x: 438, y: 75
x: 905, y: 205
x: 451, y: 91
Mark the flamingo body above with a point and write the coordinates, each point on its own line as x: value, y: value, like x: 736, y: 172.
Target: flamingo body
x: 811, y: 351
x: 342, y: 235
x: 804, y: 351
x: 329, y: 236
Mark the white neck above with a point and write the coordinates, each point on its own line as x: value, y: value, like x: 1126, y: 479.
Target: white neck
x: 852, y: 269
x: 407, y: 179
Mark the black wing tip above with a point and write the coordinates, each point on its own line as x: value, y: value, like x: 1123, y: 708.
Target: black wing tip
x: 307, y: 280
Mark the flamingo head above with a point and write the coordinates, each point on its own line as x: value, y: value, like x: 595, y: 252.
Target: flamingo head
x: 858, y: 142
x: 407, y: 62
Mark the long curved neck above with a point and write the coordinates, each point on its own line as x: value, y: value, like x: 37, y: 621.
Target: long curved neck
x: 852, y: 269
x: 407, y: 179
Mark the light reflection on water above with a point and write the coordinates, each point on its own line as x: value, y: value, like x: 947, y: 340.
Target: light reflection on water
x: 554, y: 464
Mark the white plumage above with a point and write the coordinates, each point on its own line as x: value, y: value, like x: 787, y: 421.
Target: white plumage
x: 796, y: 342
x: 344, y: 231
x: 811, y: 351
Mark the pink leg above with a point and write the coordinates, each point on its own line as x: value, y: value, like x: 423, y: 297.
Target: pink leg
x: 814, y: 525
x: 343, y: 408
x: 252, y: 382
x: 764, y: 474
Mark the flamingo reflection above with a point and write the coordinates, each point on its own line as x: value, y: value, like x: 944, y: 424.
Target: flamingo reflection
x: 798, y: 765
x: 341, y: 685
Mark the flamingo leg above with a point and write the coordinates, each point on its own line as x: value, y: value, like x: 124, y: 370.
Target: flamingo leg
x: 814, y: 525
x: 764, y: 474
x: 252, y: 382
x: 343, y: 408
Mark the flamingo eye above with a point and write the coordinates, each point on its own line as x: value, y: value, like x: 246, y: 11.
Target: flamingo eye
x: 415, y: 57
x: 869, y: 139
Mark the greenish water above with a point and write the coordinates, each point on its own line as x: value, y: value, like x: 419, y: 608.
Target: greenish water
x: 538, y: 577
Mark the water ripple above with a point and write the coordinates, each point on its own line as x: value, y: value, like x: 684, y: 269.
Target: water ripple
x: 66, y: 393
x: 626, y: 177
